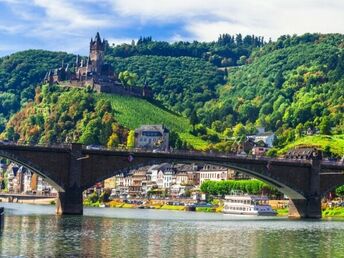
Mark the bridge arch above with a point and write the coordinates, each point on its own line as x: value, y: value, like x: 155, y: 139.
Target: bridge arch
x: 34, y: 168
x: 331, y: 186
x: 280, y: 186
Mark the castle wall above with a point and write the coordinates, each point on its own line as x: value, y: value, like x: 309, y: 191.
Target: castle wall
x: 100, y: 77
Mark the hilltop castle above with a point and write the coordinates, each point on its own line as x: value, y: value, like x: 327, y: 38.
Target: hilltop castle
x: 93, y: 72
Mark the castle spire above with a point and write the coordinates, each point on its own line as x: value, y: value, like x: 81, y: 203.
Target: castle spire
x: 97, y: 38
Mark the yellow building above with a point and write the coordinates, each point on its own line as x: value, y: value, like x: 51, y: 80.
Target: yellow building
x: 110, y: 183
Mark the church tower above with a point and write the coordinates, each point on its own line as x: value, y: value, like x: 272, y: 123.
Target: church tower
x: 97, y: 48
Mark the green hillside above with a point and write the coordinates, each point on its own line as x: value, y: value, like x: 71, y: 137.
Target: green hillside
x: 63, y: 115
x: 133, y: 112
x: 287, y: 86
x: 181, y: 83
x: 333, y: 144
x: 20, y: 73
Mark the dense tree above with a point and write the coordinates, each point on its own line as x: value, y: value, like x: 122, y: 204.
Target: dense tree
x: 239, y: 130
x: 128, y: 78
x: 77, y: 117
x: 246, y: 186
x: 193, y: 119
x: 340, y: 191
x: 287, y: 87
x: 325, y: 126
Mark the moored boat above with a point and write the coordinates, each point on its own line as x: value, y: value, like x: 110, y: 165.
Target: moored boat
x: 248, y: 205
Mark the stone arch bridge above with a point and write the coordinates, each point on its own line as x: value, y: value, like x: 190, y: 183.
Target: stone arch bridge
x: 72, y: 169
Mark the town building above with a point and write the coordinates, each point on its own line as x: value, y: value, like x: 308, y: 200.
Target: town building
x: 259, y: 151
x: 155, y: 137
x: 181, y: 179
x: 27, y: 181
x: 266, y: 137
x: 135, y: 188
x: 110, y: 183
x: 22, y: 180
x: 165, y: 177
x: 122, y: 184
x: 180, y: 191
x: 214, y: 173
x: 94, y: 73
x: 11, y: 177
x: 152, y: 172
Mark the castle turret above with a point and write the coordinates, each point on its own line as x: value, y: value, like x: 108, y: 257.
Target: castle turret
x: 97, y: 48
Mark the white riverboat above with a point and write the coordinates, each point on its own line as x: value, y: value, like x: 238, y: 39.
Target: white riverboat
x: 248, y: 205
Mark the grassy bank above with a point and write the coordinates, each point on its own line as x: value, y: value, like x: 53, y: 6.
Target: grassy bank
x: 326, y: 213
x: 133, y: 112
x: 333, y: 212
x: 334, y: 142
x: 173, y: 207
x: 282, y: 212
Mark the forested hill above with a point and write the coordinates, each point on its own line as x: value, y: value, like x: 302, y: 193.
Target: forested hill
x: 287, y: 86
x: 20, y: 74
x: 182, y: 74
x: 234, y: 84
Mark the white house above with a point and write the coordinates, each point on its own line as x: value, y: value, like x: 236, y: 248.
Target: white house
x: 165, y: 178
x: 214, y: 173
x: 152, y: 137
x: 27, y: 181
x: 266, y: 137
x: 152, y: 173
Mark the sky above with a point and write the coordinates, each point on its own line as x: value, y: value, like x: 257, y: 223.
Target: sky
x: 68, y: 25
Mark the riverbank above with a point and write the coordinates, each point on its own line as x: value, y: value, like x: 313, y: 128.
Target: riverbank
x: 280, y: 206
x: 44, y: 201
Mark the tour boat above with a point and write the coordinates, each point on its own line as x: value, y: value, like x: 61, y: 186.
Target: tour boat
x: 248, y: 205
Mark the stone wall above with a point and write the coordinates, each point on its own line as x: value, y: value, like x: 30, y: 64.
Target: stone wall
x: 109, y: 87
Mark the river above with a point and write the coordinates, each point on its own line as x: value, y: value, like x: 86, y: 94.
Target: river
x: 35, y: 231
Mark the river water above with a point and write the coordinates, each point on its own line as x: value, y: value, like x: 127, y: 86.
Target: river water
x: 35, y: 231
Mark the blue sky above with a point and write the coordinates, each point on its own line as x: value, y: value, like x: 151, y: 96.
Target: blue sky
x: 68, y: 25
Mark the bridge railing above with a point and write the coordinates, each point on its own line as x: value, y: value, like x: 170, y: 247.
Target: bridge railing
x: 194, y: 153
x: 47, y: 145
x: 178, y: 152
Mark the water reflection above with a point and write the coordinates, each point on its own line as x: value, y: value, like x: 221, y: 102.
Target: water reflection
x: 29, y: 235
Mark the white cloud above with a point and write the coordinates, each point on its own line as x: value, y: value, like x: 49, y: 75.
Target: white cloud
x: 205, y: 20
x: 65, y: 24
x: 67, y: 14
x: 118, y: 41
x: 177, y: 37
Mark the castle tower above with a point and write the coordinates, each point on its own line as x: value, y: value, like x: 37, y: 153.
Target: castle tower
x: 97, y: 48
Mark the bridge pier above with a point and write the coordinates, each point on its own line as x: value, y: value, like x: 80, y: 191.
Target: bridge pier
x: 311, y: 206
x: 305, y: 208
x: 70, y: 202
